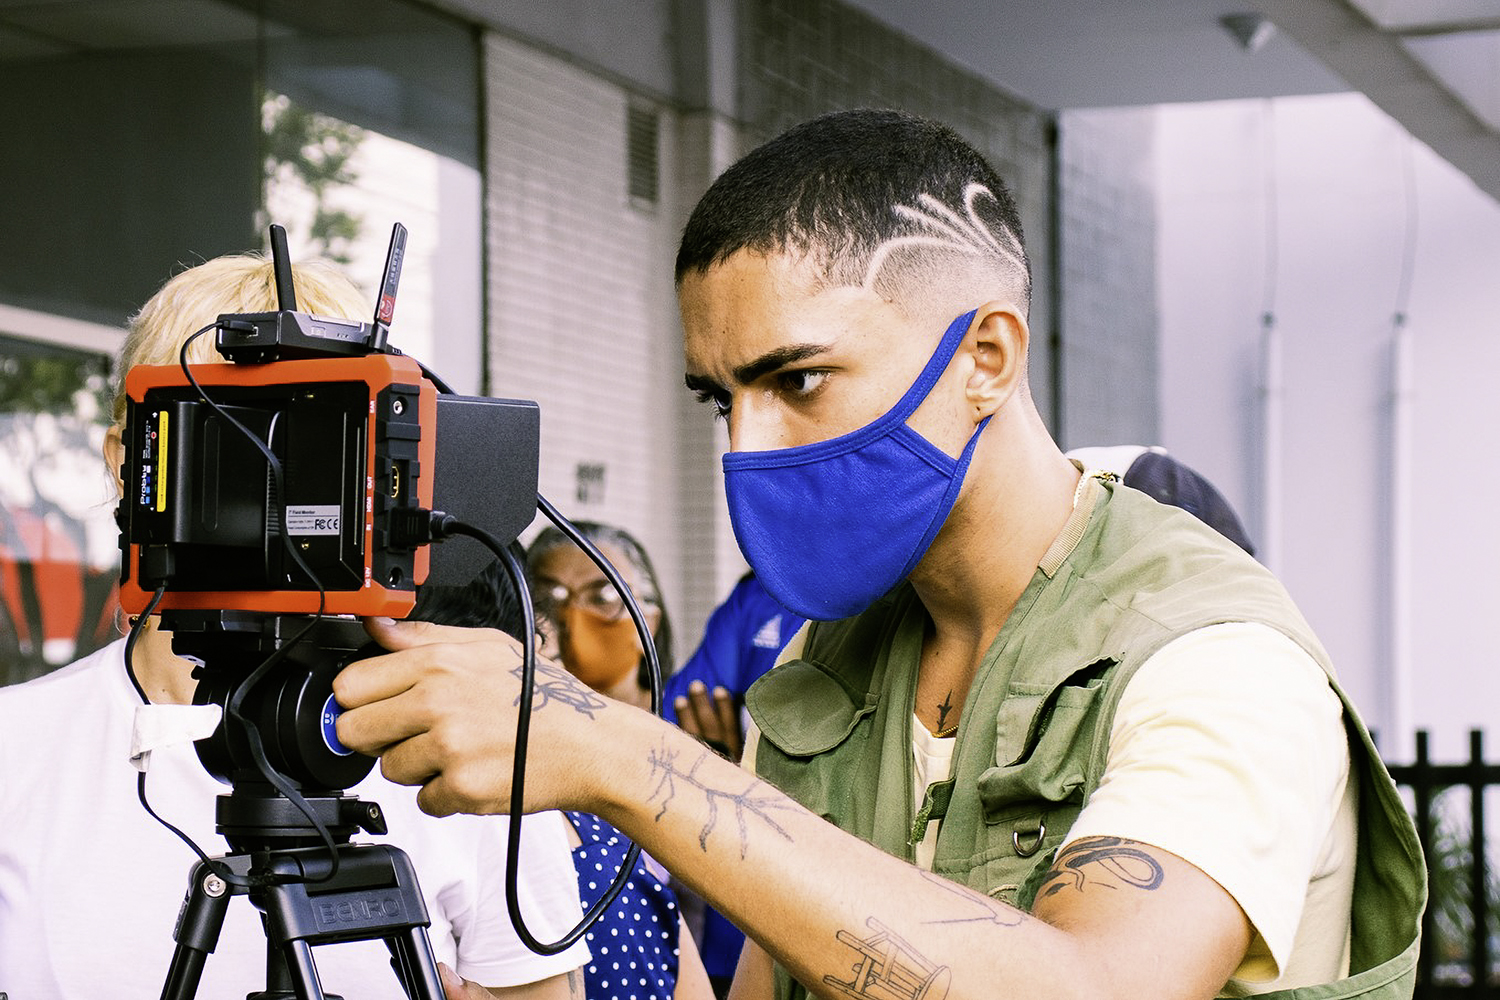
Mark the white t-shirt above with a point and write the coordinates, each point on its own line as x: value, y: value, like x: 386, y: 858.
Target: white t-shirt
x: 90, y: 885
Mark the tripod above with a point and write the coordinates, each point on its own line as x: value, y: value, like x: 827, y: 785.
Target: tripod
x: 373, y: 895
x: 308, y: 895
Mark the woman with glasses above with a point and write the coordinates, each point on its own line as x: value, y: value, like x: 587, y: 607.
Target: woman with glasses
x: 641, y: 948
x: 587, y: 626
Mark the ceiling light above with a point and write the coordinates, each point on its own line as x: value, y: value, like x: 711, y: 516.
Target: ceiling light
x: 1250, y: 30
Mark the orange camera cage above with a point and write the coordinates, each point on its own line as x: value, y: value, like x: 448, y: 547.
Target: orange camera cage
x: 378, y: 372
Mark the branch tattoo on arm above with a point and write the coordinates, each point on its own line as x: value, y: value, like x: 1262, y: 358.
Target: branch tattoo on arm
x: 759, y: 800
x: 1102, y: 862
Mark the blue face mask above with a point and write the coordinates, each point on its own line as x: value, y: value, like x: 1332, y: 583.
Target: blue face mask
x: 831, y: 526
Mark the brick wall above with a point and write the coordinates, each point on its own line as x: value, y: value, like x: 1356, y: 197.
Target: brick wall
x: 581, y: 315
x: 1107, y: 223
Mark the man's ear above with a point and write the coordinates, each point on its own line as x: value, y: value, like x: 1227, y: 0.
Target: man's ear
x: 997, y: 343
x: 114, y: 455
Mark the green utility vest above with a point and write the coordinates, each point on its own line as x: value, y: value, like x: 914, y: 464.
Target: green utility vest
x: 1125, y: 577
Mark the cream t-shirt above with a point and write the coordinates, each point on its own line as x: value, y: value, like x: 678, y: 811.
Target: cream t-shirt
x: 1228, y: 750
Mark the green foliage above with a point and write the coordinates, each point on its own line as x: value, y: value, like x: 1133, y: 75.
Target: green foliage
x: 47, y: 384
x: 314, y: 151
x: 1450, y: 887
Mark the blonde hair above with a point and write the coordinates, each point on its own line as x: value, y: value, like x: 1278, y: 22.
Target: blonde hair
x: 242, y: 283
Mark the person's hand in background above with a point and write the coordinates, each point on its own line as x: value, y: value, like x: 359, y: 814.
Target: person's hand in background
x: 713, y: 718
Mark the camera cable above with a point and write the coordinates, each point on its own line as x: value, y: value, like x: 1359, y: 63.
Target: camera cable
x: 444, y: 525
x: 236, y: 699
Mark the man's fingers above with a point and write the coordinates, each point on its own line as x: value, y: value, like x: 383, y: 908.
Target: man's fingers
x: 396, y: 634
x: 729, y: 721
x: 467, y: 788
x: 414, y: 654
x: 377, y: 678
x: 686, y: 720
x: 378, y: 722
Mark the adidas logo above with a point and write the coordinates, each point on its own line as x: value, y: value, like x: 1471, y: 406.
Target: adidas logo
x: 769, y: 636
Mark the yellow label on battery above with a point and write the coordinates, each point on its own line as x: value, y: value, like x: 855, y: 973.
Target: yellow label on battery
x: 161, y: 461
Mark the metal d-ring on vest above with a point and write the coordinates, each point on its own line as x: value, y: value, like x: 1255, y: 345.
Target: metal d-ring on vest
x: 1037, y: 836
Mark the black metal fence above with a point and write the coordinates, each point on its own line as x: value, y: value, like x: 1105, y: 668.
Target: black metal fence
x: 1461, y: 926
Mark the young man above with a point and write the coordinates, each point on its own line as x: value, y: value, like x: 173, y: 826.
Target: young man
x: 1052, y: 738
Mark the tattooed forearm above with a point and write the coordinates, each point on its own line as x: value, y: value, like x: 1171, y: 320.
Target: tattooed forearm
x: 1102, y: 862
x: 887, y: 967
x: 972, y: 908
x: 759, y: 800
x: 553, y: 683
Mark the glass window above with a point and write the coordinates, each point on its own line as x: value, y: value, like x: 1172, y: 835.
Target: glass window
x: 58, y: 544
x: 163, y: 132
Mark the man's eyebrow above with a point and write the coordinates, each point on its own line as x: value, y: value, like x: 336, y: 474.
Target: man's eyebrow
x: 700, y: 383
x: 752, y: 370
x: 772, y: 360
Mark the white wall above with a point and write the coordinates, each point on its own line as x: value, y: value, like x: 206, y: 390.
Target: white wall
x: 582, y: 315
x: 1323, y: 213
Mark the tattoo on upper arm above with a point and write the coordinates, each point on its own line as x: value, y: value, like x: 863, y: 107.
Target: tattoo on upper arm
x: 887, y: 967
x: 576, y: 985
x: 976, y: 908
x: 759, y: 800
x: 553, y: 683
x: 1102, y: 862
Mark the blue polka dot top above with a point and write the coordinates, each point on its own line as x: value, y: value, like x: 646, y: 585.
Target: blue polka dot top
x: 634, y: 944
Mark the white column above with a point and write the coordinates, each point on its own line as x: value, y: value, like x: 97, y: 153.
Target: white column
x: 1396, y: 742
x: 1272, y: 402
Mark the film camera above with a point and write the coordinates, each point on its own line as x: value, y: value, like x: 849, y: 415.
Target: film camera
x: 269, y: 501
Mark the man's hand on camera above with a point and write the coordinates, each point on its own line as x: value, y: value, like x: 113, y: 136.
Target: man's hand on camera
x: 440, y: 711
x: 715, y: 720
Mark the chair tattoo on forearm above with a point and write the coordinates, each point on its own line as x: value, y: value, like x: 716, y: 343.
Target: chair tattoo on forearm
x: 759, y: 800
x: 887, y: 967
x: 1102, y: 863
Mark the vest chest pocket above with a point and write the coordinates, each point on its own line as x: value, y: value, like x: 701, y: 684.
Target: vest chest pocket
x: 1031, y: 796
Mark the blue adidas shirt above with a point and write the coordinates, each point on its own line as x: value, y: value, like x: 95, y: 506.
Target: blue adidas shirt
x: 741, y: 641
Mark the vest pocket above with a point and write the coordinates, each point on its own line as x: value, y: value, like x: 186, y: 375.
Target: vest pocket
x: 1042, y: 749
x: 1031, y: 796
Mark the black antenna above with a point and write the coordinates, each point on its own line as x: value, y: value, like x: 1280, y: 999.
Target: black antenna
x: 385, y: 304
x: 281, y: 266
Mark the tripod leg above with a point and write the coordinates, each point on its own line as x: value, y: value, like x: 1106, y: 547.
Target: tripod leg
x: 198, y: 925
x: 411, y: 954
x: 304, y: 973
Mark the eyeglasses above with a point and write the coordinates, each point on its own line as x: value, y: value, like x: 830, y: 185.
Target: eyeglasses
x: 598, y: 597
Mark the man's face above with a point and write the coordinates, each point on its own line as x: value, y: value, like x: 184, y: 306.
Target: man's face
x: 788, y: 362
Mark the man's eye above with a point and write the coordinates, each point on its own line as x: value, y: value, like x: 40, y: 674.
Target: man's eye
x: 718, y: 400
x: 804, y: 382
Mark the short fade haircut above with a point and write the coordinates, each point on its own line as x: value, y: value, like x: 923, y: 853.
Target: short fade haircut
x: 872, y: 197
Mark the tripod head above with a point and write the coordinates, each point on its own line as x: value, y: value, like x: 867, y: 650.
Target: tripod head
x: 273, y: 676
